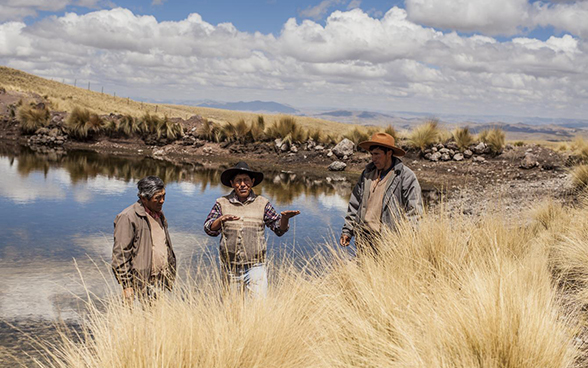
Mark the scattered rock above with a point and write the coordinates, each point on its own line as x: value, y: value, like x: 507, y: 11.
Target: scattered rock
x: 344, y: 148
x: 293, y: 149
x: 467, y: 153
x: 480, y: 148
x: 319, y: 148
x: 458, y: 157
x: 529, y: 161
x: 337, y: 166
x: 435, y: 157
x: 207, y: 150
x: 479, y: 159
x: 445, y: 157
x: 330, y: 153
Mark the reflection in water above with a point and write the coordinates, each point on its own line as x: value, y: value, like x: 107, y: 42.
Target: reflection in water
x: 82, y: 166
x: 59, y: 207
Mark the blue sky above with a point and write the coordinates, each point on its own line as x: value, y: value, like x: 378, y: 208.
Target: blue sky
x: 472, y: 57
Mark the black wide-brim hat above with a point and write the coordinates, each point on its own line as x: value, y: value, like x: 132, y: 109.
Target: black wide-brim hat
x: 240, y: 168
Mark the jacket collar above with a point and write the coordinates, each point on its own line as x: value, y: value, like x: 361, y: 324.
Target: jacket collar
x: 140, y: 210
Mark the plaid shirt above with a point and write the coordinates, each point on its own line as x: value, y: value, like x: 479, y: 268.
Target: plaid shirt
x: 270, y: 217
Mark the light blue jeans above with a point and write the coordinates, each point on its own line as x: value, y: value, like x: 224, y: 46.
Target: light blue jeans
x: 247, y: 279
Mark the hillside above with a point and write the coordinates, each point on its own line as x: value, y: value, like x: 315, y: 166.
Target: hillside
x: 64, y: 97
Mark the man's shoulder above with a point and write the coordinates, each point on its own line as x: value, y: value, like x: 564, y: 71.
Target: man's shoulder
x: 130, y: 211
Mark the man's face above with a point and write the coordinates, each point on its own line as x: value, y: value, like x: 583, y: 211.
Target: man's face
x: 155, y: 204
x: 381, y: 159
x: 242, y: 184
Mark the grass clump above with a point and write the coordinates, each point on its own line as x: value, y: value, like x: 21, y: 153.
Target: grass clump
x: 357, y: 135
x: 463, y: 138
x: 159, y: 128
x: 580, y: 176
x: 580, y: 148
x: 424, y: 135
x: 83, y: 125
x: 288, y: 130
x: 495, y: 139
x: 32, y: 118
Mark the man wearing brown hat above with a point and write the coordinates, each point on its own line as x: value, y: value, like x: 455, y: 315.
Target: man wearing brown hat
x: 241, y: 217
x: 386, y: 191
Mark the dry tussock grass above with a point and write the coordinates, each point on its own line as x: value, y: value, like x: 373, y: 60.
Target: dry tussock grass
x: 454, y: 292
x: 65, y: 97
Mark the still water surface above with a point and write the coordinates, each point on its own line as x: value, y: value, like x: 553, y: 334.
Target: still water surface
x: 57, y: 211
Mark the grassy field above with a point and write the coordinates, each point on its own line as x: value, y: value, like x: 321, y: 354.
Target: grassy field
x: 64, y: 97
x: 454, y: 292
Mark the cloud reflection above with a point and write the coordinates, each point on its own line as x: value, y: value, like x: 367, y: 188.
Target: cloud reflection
x: 52, y: 288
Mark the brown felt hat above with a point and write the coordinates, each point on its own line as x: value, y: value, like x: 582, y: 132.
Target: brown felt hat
x: 240, y: 168
x: 384, y: 140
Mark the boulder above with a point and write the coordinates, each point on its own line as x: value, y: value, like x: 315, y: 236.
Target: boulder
x: 529, y: 161
x: 445, y: 157
x: 337, y: 166
x: 467, y: 153
x: 480, y: 148
x: 344, y: 148
x: 458, y: 157
x: 278, y: 143
x: 285, y: 147
x: 443, y: 151
x: 452, y: 146
x: 435, y: 157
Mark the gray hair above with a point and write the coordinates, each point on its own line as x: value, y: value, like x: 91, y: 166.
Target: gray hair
x: 148, y: 186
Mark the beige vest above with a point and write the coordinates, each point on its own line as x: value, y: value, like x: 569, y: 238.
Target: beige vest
x: 243, y: 241
x: 373, y: 213
x: 159, y: 248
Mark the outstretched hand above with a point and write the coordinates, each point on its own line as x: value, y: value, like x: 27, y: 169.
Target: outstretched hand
x: 289, y: 214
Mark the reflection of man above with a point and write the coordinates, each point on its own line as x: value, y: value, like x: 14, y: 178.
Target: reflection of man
x: 241, y: 218
x: 142, y: 256
x: 386, y: 191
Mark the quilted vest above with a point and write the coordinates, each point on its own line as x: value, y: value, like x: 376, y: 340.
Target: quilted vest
x: 243, y: 241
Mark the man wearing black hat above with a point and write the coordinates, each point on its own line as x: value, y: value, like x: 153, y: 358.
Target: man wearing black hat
x: 241, y: 217
x: 386, y: 192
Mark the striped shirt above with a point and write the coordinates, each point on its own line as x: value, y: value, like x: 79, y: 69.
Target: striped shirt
x: 270, y: 217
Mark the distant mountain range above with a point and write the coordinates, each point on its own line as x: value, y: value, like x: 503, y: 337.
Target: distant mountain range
x: 253, y: 106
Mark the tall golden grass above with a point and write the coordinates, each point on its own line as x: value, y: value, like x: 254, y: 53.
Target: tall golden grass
x: 452, y: 292
x: 32, y: 118
x: 425, y: 135
x: 495, y: 138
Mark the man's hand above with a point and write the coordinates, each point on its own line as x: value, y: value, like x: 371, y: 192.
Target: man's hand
x: 224, y: 218
x: 289, y: 214
x: 128, y: 295
x: 345, y: 240
x: 286, y: 215
x: 216, y: 224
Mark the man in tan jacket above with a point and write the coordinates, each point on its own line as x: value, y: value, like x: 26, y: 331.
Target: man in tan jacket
x: 143, y: 259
